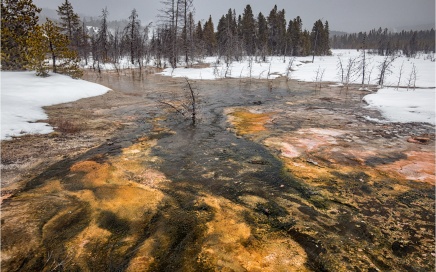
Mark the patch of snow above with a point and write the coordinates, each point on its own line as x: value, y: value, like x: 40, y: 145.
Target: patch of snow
x: 23, y: 95
x: 404, y: 106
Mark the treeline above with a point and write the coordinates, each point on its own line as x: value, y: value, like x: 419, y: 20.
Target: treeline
x: 28, y: 43
x: 384, y: 42
x: 236, y: 35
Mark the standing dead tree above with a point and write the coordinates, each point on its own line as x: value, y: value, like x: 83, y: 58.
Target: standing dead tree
x: 384, y: 68
x: 400, y: 74
x: 170, y: 17
x: 347, y: 72
x: 186, y: 105
x: 319, y: 74
x: 411, y: 82
x: 289, y: 68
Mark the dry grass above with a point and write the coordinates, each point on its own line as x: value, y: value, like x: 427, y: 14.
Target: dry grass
x: 67, y: 126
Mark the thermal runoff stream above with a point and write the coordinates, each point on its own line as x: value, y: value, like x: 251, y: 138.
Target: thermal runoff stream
x: 274, y: 176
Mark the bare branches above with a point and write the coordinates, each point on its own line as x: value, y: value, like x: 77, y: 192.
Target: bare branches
x: 289, y: 68
x: 400, y: 74
x: 319, y: 74
x: 188, y: 104
x: 384, y: 68
x: 411, y: 82
x: 173, y: 107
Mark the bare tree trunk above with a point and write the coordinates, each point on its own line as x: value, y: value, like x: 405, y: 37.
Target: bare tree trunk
x: 193, y: 103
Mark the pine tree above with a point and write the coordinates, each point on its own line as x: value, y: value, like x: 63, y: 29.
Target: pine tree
x: 248, y: 30
x: 47, y: 40
x: 316, y: 38
x: 289, y: 36
x: 198, y: 39
x: 273, y: 31
x: 297, y: 37
x: 103, y: 38
x: 262, y: 35
x: 84, y: 46
x: 209, y: 37
x: 132, y: 35
x: 18, y: 19
x: 326, y: 40
x: 282, y: 46
x: 69, y: 22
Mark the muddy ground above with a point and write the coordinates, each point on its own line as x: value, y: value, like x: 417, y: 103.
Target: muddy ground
x: 275, y: 176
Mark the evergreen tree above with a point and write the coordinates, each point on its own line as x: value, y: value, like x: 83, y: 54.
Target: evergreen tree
x: 282, y: 46
x: 317, y: 37
x: 198, y: 39
x: 296, y: 36
x: 69, y: 22
x: 289, y: 37
x: 273, y: 31
x: 47, y: 40
x: 209, y: 37
x: 103, y: 38
x: 325, y: 40
x: 262, y: 35
x: 413, y: 44
x: 132, y: 35
x: 84, y: 46
x: 248, y: 30
x: 18, y: 19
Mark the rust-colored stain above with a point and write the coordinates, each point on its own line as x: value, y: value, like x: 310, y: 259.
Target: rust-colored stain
x: 246, y: 122
x: 418, y: 166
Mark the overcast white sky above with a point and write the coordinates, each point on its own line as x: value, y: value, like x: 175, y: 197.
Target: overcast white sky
x: 343, y: 15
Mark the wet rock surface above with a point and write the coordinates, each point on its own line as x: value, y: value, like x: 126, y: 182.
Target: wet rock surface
x: 288, y: 178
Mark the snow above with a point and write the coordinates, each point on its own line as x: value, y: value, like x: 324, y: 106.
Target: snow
x: 396, y: 104
x: 23, y: 95
x: 404, y: 106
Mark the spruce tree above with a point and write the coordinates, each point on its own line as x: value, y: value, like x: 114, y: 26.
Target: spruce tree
x: 18, y: 19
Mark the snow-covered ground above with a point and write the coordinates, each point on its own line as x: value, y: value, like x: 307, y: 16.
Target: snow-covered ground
x: 396, y: 104
x: 23, y: 95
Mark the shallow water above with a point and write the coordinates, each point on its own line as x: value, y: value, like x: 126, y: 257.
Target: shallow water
x: 168, y: 196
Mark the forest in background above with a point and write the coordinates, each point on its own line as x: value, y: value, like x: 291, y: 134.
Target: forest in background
x: 41, y: 44
x: 384, y: 42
